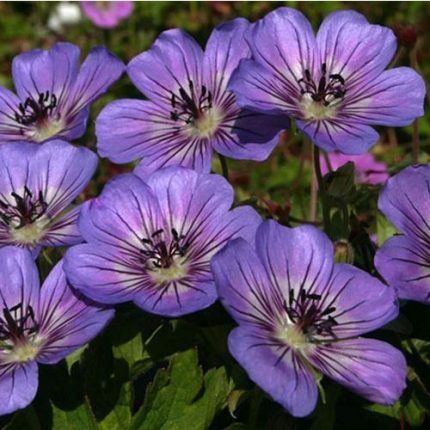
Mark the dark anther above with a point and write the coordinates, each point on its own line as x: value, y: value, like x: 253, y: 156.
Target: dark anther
x: 162, y: 252
x: 329, y: 88
x: 32, y: 111
x: 189, y: 106
x: 17, y: 323
x: 24, y: 211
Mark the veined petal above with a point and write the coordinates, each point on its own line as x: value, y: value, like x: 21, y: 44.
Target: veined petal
x: 18, y: 386
x: 19, y: 279
x: 103, y: 273
x: 340, y: 134
x: 360, y: 302
x: 98, y: 72
x: 225, y: 48
x: 38, y: 71
x: 298, y: 259
x: 124, y: 214
x: 64, y: 230
x: 394, y: 98
x: 405, y: 265
x: 60, y: 171
x: 173, y: 61
x: 405, y: 201
x: 371, y: 368
x: 284, y: 43
x: 353, y: 48
x: 10, y: 130
x: 66, y: 320
x: 276, y: 369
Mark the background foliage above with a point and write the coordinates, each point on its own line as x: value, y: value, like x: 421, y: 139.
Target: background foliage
x: 146, y: 372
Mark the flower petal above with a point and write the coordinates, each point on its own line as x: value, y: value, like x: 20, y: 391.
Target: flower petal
x: 66, y: 321
x: 278, y: 371
x: 54, y: 70
x: 360, y: 302
x: 405, y: 264
x: 405, y: 201
x: 98, y: 72
x: 124, y: 214
x: 64, y: 230
x: 173, y: 61
x: 352, y: 47
x: 343, y: 135
x: 373, y: 369
x: 10, y: 130
x: 295, y: 259
x: 19, y: 278
x: 225, y: 48
x: 18, y: 386
x: 378, y: 103
x: 61, y: 172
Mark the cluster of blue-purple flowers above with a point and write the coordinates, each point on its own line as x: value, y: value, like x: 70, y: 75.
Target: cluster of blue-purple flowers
x: 166, y: 237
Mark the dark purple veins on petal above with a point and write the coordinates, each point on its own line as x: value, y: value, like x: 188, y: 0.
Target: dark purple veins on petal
x: 36, y: 112
x: 161, y: 251
x: 24, y: 211
x: 17, y: 325
x: 189, y: 106
x: 328, y: 89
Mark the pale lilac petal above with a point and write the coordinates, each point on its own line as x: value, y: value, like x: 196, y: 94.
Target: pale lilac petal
x: 66, y: 321
x: 276, y: 369
x: 373, y: 369
x: 18, y: 386
x: 54, y: 70
x: 405, y: 265
x: 377, y: 102
x: 173, y: 61
x: 352, y: 47
x: 348, y: 137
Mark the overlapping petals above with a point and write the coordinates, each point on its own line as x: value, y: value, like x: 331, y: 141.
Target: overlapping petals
x: 152, y: 241
x: 333, y: 84
x: 296, y: 309
x: 190, y: 112
x: 38, y: 325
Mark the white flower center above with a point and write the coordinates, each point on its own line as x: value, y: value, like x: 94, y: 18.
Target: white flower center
x: 312, y: 110
x: 207, y: 124
x: 293, y: 336
x: 29, y: 234
x: 177, y: 270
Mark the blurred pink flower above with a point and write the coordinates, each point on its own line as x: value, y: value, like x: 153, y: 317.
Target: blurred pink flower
x: 107, y: 14
x: 367, y: 169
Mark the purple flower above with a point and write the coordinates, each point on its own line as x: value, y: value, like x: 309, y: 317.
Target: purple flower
x: 334, y: 83
x: 404, y: 260
x: 366, y: 169
x: 37, y: 185
x: 107, y: 14
x: 151, y: 242
x: 190, y: 112
x: 38, y: 325
x: 300, y: 314
x: 53, y: 93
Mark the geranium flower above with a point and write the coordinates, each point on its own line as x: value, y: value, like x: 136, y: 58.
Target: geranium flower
x: 107, y: 14
x: 38, y: 325
x: 151, y: 242
x: 37, y: 185
x: 190, y: 112
x: 404, y: 260
x: 333, y: 84
x: 366, y: 169
x: 299, y: 314
x: 53, y: 93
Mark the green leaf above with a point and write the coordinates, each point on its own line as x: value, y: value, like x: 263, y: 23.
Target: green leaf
x: 181, y: 397
x: 340, y: 183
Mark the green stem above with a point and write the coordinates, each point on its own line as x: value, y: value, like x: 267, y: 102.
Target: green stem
x: 322, y: 190
x: 224, y: 166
